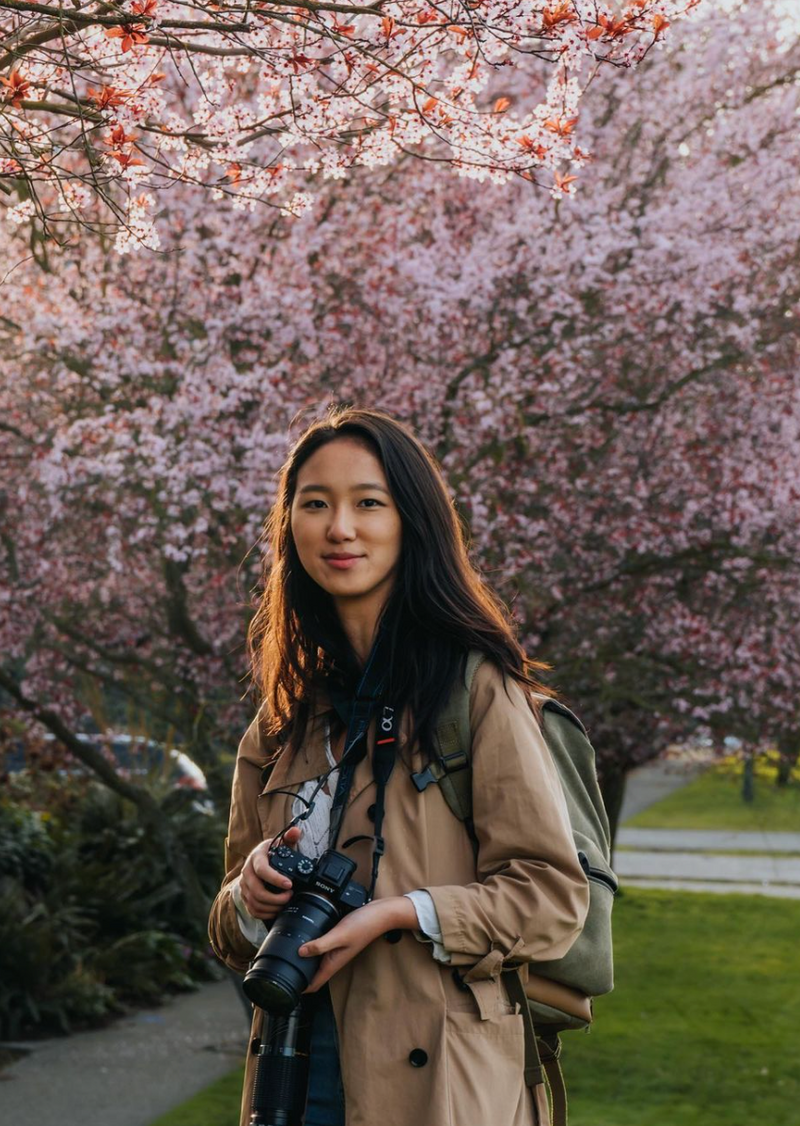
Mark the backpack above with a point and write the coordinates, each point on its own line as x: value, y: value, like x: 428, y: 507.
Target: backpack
x: 558, y: 995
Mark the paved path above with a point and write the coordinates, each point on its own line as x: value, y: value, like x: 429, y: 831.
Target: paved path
x: 714, y: 887
x: 708, y: 866
x: 708, y: 840
x: 650, y: 783
x: 131, y: 1072
x: 700, y: 860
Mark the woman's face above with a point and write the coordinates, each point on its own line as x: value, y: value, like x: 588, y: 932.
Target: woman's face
x: 345, y: 524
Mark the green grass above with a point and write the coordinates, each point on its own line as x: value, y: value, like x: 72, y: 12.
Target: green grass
x: 217, y: 1105
x: 707, y: 998
x: 702, y: 1026
x: 714, y: 801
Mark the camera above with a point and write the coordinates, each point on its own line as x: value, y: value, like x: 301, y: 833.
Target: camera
x: 323, y: 892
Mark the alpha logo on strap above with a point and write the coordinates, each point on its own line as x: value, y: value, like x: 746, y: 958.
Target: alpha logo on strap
x: 387, y: 721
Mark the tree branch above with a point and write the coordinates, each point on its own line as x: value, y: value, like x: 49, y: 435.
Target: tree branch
x: 84, y: 752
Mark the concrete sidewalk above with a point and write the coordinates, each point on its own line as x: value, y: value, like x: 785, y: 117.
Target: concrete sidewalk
x: 716, y: 887
x: 695, y: 865
x: 131, y: 1072
x: 701, y: 860
x: 653, y: 782
x: 708, y: 840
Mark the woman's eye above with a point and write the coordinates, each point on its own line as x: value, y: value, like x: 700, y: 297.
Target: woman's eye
x: 370, y: 502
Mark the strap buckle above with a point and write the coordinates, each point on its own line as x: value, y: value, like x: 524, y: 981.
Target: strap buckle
x: 457, y: 760
x: 436, y: 770
x: 549, y: 1047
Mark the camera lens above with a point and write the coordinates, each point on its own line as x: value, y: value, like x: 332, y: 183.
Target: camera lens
x: 281, y: 1082
x: 278, y: 975
x: 271, y: 990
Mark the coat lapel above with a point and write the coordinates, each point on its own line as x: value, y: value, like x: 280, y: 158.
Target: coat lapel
x: 309, y: 762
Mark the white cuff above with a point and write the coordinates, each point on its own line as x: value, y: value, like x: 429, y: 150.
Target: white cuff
x: 254, y: 930
x: 430, y: 929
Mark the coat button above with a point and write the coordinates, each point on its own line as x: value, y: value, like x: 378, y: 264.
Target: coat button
x: 394, y: 936
x: 418, y: 1058
x: 371, y: 813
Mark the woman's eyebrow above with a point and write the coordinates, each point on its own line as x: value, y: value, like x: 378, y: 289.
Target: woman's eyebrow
x: 355, y: 488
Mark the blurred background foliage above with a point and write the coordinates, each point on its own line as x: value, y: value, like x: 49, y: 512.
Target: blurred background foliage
x: 93, y: 914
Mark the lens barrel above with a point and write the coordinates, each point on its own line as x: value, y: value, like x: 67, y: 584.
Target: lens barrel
x: 281, y: 1083
x: 278, y: 975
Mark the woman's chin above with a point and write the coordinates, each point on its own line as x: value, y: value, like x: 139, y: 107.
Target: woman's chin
x: 343, y: 583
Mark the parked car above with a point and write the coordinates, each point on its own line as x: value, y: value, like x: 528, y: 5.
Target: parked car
x: 131, y: 755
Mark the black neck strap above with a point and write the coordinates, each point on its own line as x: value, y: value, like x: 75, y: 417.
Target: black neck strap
x: 383, y: 759
x: 382, y: 765
x: 364, y: 705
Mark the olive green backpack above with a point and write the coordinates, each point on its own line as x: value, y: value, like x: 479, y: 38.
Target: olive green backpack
x: 559, y: 993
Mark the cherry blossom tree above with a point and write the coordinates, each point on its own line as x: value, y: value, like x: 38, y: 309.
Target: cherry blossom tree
x: 121, y: 101
x: 611, y: 389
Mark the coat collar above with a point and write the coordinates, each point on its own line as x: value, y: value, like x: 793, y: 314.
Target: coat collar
x: 310, y: 761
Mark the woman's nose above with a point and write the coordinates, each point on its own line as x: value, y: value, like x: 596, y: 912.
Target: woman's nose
x: 341, y: 525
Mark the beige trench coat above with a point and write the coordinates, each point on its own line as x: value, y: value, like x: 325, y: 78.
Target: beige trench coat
x: 526, y: 899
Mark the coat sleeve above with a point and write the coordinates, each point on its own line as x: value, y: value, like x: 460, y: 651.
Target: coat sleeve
x: 531, y: 894
x: 244, y: 833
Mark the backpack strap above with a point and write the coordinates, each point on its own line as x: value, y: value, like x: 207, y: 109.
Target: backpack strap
x: 542, y: 1054
x: 550, y: 1053
x: 534, y: 1071
x: 451, y: 767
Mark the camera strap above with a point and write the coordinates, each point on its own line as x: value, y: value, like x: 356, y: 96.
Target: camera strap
x: 362, y: 708
x: 357, y: 712
x: 382, y: 766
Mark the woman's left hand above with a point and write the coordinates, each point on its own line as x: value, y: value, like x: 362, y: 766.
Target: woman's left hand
x: 355, y: 932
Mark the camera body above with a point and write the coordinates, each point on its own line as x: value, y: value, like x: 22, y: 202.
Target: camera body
x: 323, y: 892
x: 328, y: 876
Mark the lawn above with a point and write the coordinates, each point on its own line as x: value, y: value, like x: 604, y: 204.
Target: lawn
x: 218, y: 1105
x: 714, y: 801
x: 702, y: 1026
x: 701, y: 1029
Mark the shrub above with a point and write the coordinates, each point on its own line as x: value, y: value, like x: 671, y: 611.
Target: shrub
x: 92, y: 913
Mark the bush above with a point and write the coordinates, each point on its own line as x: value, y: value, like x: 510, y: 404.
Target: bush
x: 92, y: 915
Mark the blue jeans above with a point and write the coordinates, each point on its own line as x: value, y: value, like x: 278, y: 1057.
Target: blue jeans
x: 325, y: 1105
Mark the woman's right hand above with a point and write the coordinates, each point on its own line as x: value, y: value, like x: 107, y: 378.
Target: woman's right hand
x: 259, y: 901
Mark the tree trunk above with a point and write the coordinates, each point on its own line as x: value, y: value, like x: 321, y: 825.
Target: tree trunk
x: 748, y: 778
x: 789, y: 751
x: 612, y: 787
x: 785, y: 767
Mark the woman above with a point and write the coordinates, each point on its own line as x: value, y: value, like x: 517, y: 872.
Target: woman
x: 414, y: 1025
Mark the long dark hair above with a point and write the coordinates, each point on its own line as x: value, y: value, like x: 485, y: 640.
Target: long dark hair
x: 439, y: 609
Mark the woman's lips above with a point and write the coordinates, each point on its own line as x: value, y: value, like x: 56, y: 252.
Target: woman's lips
x: 343, y: 563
